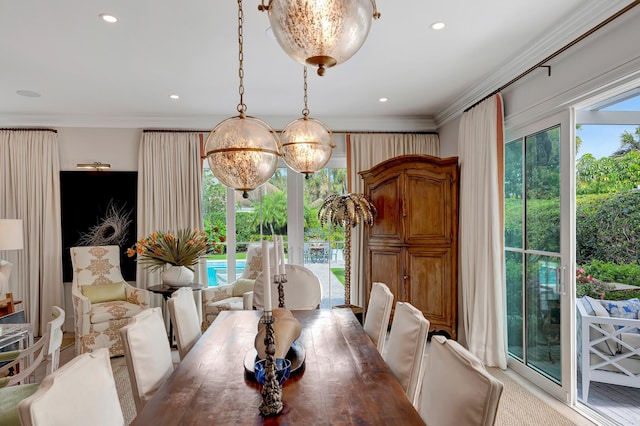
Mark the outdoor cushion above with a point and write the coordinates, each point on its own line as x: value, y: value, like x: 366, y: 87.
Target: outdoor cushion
x: 628, y: 309
x: 594, y: 307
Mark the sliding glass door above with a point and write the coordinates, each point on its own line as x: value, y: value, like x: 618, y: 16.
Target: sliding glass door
x: 538, y: 253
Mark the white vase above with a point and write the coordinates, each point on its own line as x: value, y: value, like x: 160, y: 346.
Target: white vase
x: 177, y: 276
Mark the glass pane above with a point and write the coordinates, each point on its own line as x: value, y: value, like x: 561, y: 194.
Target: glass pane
x: 543, y: 190
x: 324, y: 246
x: 543, y: 315
x: 214, y: 199
x: 513, y: 200
x: 515, y: 307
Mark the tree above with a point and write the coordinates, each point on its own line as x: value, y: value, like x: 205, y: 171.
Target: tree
x: 628, y: 142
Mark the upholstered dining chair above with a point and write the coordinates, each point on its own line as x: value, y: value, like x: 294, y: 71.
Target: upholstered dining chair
x: 103, y: 301
x: 184, y: 316
x: 147, y: 353
x: 405, y: 350
x: 46, y: 350
x: 456, y: 388
x: 302, y: 290
x: 82, y: 392
x: 376, y: 321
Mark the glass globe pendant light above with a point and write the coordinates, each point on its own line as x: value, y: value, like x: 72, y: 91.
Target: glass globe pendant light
x: 242, y: 151
x: 306, y: 142
x: 320, y: 33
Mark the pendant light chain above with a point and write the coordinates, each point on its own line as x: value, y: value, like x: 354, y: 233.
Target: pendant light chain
x: 305, y: 111
x: 242, y: 108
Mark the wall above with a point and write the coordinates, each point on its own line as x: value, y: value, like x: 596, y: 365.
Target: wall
x: 118, y: 147
x: 592, y: 67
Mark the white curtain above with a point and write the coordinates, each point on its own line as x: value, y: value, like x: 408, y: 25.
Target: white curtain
x: 30, y: 185
x: 482, y: 282
x: 169, y: 191
x: 365, y: 151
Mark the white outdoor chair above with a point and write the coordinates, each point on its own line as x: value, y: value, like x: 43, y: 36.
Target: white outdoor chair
x: 184, y: 316
x: 456, y: 388
x: 82, y: 392
x: 376, y: 322
x: 405, y: 350
x: 148, y: 354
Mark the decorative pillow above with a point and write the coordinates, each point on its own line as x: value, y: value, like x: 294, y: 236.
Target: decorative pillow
x: 105, y: 292
x: 242, y: 286
x: 254, y: 262
x: 628, y: 309
x: 599, y: 310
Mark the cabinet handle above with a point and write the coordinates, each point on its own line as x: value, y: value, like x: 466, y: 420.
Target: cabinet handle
x: 406, y: 277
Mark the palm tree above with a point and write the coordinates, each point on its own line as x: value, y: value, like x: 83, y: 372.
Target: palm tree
x: 628, y: 142
x: 347, y: 211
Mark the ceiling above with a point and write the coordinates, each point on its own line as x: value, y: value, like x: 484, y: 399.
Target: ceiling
x: 93, y: 74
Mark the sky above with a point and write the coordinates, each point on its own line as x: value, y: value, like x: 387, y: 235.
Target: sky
x: 602, y: 141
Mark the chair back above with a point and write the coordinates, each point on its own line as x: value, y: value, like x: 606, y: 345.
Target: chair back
x: 96, y: 265
x: 405, y: 350
x: 147, y: 353
x: 46, y: 350
x: 7, y: 305
x: 302, y: 290
x: 376, y: 322
x: 184, y: 316
x: 82, y: 392
x: 457, y: 389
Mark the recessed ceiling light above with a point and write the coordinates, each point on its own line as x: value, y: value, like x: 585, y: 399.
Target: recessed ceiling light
x: 174, y: 96
x: 28, y: 93
x: 438, y: 25
x: 108, y: 18
x: 383, y: 99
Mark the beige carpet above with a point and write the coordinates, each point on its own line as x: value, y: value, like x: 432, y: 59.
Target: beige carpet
x: 518, y: 406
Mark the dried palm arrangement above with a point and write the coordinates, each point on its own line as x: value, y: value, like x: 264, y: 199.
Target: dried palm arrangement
x: 347, y: 211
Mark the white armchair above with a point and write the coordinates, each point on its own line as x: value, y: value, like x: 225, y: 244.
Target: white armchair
x: 609, y: 343
x: 103, y: 301
x: 236, y: 296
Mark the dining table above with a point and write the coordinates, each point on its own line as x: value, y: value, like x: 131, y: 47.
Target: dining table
x: 343, y: 380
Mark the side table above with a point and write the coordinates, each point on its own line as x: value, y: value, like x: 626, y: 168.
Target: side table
x: 166, y: 291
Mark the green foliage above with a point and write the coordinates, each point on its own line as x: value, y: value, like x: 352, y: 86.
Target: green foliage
x: 613, y: 273
x: 595, y: 289
x: 607, y: 228
x: 622, y: 294
x: 543, y: 224
x: 607, y: 175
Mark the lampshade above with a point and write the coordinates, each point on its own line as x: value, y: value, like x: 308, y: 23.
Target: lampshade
x: 11, y: 234
x: 242, y: 152
x: 320, y: 33
x: 306, y: 145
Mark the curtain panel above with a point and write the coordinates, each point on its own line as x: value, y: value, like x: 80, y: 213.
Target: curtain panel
x: 363, y: 152
x: 482, y: 278
x: 30, y: 183
x: 169, y: 191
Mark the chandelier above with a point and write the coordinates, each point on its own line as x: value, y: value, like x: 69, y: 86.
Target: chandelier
x: 320, y: 33
x: 306, y: 142
x: 242, y: 151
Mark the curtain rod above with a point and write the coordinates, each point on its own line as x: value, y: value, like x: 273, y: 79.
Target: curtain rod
x: 559, y: 51
x: 32, y: 130
x: 364, y: 132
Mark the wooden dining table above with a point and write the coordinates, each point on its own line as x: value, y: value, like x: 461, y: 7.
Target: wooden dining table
x: 343, y: 381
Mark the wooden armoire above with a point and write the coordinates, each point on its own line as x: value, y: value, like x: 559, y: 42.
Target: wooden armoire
x: 413, y: 245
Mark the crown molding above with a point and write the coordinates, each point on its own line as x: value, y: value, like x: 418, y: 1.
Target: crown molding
x: 578, y: 23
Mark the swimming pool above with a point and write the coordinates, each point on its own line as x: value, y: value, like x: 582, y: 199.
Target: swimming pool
x: 217, y: 271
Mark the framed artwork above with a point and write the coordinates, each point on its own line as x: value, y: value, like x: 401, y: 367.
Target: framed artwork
x: 98, y: 208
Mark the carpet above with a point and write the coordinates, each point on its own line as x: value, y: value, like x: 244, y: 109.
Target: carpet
x: 518, y: 406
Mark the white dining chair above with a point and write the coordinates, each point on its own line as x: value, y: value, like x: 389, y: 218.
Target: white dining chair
x: 376, y: 321
x: 184, y: 316
x: 147, y: 353
x: 82, y: 392
x: 302, y: 290
x: 456, y: 388
x: 405, y: 350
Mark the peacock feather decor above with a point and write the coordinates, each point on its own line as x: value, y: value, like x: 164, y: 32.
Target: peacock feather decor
x: 347, y: 211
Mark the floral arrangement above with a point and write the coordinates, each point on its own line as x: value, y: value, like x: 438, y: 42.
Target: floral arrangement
x: 182, y: 249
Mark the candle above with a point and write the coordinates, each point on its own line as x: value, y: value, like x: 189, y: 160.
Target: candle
x: 266, y: 276
x: 276, y: 255
x: 282, y: 268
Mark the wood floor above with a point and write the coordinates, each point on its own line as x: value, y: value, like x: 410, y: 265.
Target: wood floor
x: 619, y: 403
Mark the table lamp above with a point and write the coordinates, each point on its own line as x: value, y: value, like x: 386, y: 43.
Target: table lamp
x: 10, y: 239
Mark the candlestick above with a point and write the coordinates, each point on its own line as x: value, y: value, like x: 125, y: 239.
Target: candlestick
x: 271, y: 390
x: 282, y: 269
x: 266, y: 276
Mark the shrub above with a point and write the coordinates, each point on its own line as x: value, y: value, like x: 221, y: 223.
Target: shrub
x: 611, y: 272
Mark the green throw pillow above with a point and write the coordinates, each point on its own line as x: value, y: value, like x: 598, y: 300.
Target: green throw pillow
x: 242, y: 286
x: 105, y: 292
